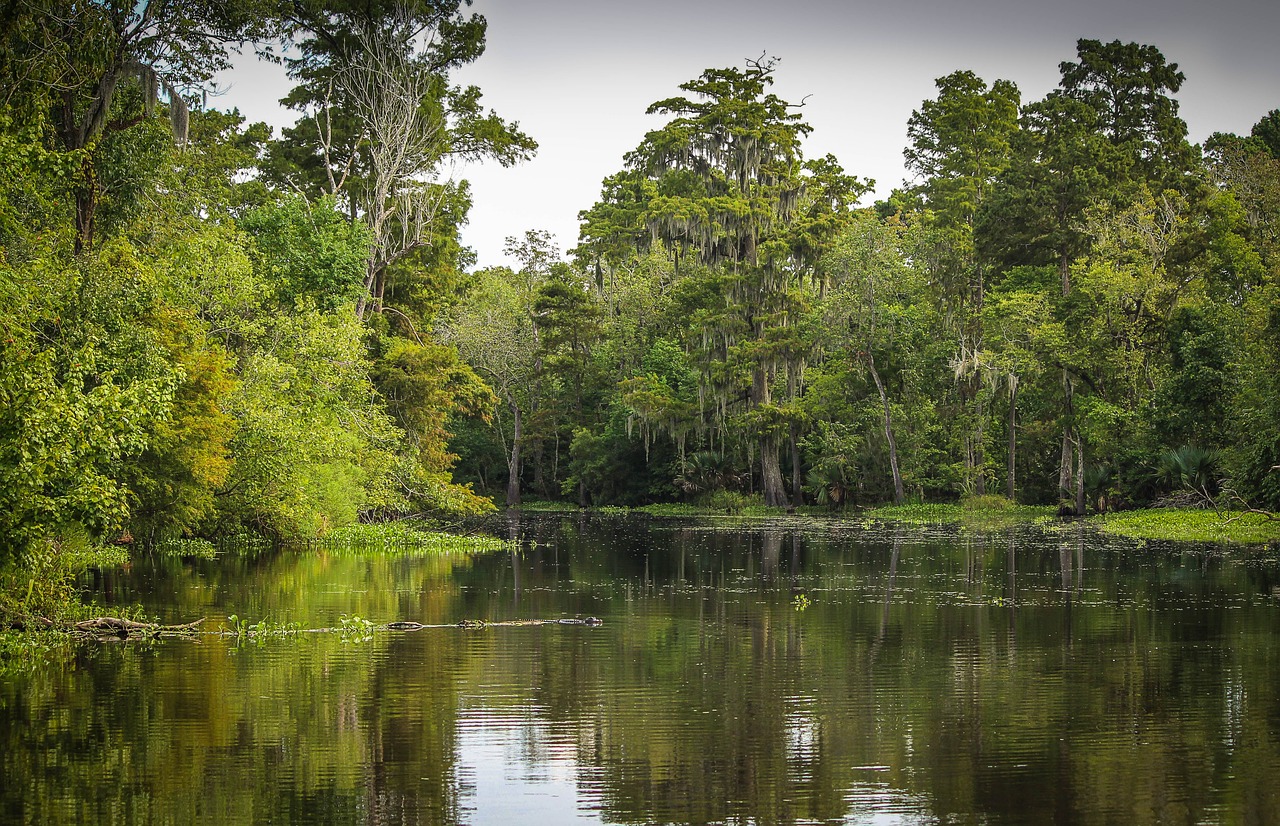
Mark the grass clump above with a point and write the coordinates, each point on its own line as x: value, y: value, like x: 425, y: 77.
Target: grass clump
x: 919, y: 513
x: 1187, y: 525
x: 671, y: 509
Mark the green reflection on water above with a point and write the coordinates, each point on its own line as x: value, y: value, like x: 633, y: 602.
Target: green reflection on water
x: 1037, y: 674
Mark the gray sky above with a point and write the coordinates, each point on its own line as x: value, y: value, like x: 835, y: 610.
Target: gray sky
x: 578, y: 74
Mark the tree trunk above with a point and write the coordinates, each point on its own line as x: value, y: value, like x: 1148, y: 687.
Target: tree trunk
x: 898, y: 493
x: 797, y: 483
x: 86, y: 210
x: 771, y: 484
x: 1064, y: 471
x: 1013, y: 436
x: 1064, y: 468
x: 979, y: 451
x: 513, y: 463
x: 1080, y: 504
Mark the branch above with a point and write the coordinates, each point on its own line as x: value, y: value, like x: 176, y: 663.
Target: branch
x: 408, y: 321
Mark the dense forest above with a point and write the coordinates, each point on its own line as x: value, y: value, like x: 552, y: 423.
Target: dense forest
x: 208, y: 327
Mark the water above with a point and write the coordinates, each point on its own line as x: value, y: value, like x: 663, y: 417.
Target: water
x: 791, y: 671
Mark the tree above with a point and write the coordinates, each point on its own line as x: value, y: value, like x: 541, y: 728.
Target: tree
x: 101, y: 66
x: 381, y: 119
x: 499, y: 335
x: 727, y: 185
x: 1108, y: 132
x: 959, y: 145
x: 1022, y: 335
x: 874, y: 304
x: 1129, y: 85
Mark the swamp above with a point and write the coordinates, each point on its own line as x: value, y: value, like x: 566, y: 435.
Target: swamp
x: 765, y: 671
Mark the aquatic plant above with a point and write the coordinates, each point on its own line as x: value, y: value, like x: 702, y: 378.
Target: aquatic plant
x: 186, y: 548
x: 1191, y: 525
x: 401, y: 537
x: 974, y: 511
x: 355, y: 628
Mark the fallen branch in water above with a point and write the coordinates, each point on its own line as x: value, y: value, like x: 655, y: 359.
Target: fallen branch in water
x: 1235, y: 498
x: 105, y: 626
x: 478, y: 623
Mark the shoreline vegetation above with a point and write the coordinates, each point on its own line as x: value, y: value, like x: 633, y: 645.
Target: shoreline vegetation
x: 42, y: 612
x: 1231, y: 527
x: 40, y: 591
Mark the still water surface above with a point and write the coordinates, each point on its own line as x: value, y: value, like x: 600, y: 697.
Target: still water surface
x: 790, y: 671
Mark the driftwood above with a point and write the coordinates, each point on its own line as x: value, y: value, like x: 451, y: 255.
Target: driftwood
x: 477, y: 623
x: 108, y: 626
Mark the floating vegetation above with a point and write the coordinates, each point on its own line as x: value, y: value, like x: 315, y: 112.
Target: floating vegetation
x: 402, y: 537
x: 186, y: 549
x: 672, y: 509
x: 977, y: 512
x: 263, y: 628
x: 245, y: 544
x: 546, y: 506
x: 355, y: 628
x: 1184, y: 525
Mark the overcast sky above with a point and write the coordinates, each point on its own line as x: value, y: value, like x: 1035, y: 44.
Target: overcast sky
x: 578, y: 75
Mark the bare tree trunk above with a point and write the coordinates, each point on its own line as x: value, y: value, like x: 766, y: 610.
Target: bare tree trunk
x: 979, y: 454
x: 898, y: 493
x: 1080, y: 504
x: 86, y: 195
x: 513, y: 464
x: 1013, y: 436
x: 1064, y: 469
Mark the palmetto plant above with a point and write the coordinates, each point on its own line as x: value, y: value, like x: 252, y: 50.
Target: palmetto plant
x: 706, y: 471
x: 831, y: 482
x: 1190, y: 467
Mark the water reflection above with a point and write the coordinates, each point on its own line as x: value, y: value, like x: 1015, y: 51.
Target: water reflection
x: 929, y: 675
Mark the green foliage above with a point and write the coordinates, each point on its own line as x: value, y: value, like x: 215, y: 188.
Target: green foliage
x: 281, y: 335
x: 1178, y: 525
x: 312, y: 444
x: 728, y: 501
x: 403, y: 537
x: 976, y: 511
x: 308, y: 254
x: 423, y: 384
x: 833, y: 477
x: 41, y: 582
x: 1190, y: 467
x: 84, y: 385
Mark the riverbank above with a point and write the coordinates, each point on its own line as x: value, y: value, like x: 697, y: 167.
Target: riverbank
x: 45, y: 586
x: 991, y: 512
